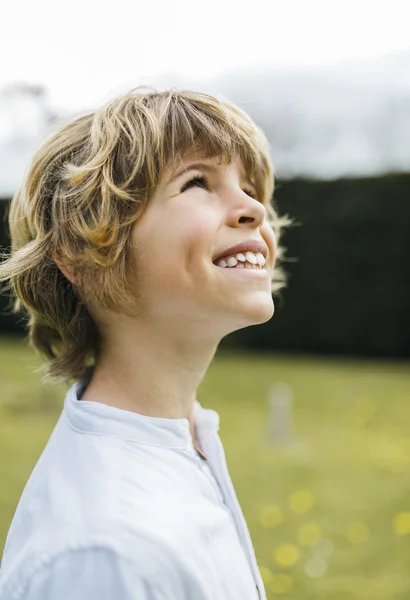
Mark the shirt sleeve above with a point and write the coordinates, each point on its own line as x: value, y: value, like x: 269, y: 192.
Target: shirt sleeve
x: 90, y: 574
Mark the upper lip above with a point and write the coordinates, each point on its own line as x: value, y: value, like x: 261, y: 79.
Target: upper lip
x: 248, y: 245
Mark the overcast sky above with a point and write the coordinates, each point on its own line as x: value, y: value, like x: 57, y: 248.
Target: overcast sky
x: 87, y: 50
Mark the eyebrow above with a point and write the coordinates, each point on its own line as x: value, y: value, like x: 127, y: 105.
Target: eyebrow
x: 199, y: 166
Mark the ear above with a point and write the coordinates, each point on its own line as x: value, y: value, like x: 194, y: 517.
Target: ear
x: 65, y: 270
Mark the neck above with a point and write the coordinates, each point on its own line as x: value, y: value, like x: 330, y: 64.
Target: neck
x: 149, y: 373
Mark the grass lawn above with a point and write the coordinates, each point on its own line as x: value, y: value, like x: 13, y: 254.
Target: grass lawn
x: 328, y: 512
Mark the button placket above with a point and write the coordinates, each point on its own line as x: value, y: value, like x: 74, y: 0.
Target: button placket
x: 219, y: 495
x: 236, y: 511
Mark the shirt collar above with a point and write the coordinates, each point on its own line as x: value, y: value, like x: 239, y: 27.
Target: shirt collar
x: 99, y: 418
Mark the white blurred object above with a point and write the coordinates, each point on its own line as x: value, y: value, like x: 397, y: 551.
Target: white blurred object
x: 281, y: 430
x: 25, y: 116
x: 350, y: 118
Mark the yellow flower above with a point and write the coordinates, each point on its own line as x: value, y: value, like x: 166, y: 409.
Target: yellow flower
x: 281, y: 583
x: 266, y: 574
x: 301, y: 501
x: 270, y: 515
x: 357, y: 531
x: 401, y: 523
x: 309, y: 534
x: 286, y: 555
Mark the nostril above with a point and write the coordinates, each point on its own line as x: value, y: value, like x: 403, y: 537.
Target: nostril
x: 243, y: 219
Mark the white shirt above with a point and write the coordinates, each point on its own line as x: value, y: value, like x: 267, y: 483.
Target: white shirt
x: 121, y: 506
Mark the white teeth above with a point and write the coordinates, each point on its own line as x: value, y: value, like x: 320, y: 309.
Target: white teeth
x: 260, y: 258
x: 240, y: 260
x: 232, y: 262
x: 250, y: 257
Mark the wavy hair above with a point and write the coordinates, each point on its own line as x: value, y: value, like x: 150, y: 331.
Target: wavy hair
x: 86, y: 186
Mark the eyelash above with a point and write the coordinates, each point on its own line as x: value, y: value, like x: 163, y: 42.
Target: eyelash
x: 204, y: 181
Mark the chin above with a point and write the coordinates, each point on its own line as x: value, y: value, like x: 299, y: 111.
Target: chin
x: 256, y: 315
x: 267, y: 314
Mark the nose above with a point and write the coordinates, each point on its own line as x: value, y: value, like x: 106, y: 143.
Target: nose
x: 247, y: 210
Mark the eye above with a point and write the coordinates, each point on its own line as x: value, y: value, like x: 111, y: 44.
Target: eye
x: 203, y: 181
x: 198, y: 179
x: 251, y: 194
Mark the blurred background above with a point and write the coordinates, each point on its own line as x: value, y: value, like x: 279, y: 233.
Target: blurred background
x: 314, y: 404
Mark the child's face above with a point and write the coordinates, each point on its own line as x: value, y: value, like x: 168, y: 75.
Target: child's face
x: 185, y: 227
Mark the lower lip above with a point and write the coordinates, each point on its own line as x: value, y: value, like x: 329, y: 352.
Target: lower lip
x: 261, y: 273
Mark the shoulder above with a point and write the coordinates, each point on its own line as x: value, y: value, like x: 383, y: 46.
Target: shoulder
x: 98, y: 571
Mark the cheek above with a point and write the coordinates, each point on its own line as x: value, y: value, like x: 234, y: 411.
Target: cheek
x: 175, y: 239
x: 200, y: 230
x: 188, y: 232
x: 270, y: 237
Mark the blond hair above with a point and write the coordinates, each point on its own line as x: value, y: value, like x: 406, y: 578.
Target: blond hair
x: 85, y: 188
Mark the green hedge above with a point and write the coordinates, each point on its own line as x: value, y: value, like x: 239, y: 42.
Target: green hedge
x: 349, y: 287
x: 349, y: 274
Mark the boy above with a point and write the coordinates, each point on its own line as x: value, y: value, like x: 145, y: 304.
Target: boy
x: 143, y: 234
